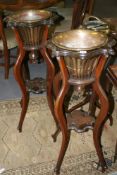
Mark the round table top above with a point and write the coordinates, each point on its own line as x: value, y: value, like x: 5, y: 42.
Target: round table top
x: 26, y: 4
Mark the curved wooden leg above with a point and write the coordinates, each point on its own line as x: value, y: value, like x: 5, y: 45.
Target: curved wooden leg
x: 25, y: 73
x: 21, y: 83
x: 63, y: 128
x: 97, y: 132
x: 25, y: 102
x: 56, y: 89
x: 60, y: 113
x: 103, y: 114
x: 50, y: 90
x: 56, y: 133
x: 57, y: 84
x: 50, y: 73
x: 25, y: 68
x: 6, y: 63
x: 62, y: 122
x: 50, y: 77
x: 64, y: 146
x: 100, y: 121
x: 109, y: 87
x: 92, y: 104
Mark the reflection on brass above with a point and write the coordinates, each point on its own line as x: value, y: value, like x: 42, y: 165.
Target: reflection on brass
x: 80, y: 39
x: 30, y: 16
x: 81, y: 69
x: 30, y: 26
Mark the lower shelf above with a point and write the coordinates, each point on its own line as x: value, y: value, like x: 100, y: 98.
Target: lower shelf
x: 80, y: 121
x: 36, y: 85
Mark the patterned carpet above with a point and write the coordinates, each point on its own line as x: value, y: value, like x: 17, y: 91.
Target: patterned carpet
x: 35, y: 153
x: 83, y: 164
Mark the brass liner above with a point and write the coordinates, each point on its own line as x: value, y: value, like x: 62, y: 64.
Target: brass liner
x: 30, y: 25
x: 31, y: 36
x: 81, y: 69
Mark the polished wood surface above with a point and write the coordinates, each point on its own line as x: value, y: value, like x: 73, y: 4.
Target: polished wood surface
x: 19, y: 68
x: 6, y: 36
x: 26, y: 4
x: 60, y: 83
x: 30, y: 46
x: 112, y: 74
x: 80, y: 8
x: 4, y: 52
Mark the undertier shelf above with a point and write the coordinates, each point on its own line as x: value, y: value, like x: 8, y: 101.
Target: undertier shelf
x: 36, y: 85
x: 80, y: 121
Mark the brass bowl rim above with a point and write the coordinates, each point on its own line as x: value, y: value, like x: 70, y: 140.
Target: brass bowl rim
x: 45, y: 14
x: 80, y: 49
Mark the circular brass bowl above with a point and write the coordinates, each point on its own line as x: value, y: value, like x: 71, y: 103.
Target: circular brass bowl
x: 80, y: 39
x: 30, y: 16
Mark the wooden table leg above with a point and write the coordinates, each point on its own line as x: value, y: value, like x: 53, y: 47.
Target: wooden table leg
x: 102, y: 117
x: 50, y: 77
x: 21, y: 83
x: 60, y: 115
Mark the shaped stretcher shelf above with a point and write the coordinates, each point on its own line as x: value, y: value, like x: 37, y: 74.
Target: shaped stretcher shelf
x: 80, y: 121
x: 36, y: 85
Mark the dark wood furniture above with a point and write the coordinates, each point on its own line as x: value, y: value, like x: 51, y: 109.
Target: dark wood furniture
x: 80, y: 9
x: 23, y: 4
x: 112, y: 77
x: 7, y: 43
x: 81, y: 70
x: 26, y: 4
x: 15, y: 5
x: 31, y: 31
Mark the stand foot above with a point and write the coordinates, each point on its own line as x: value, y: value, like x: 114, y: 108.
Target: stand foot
x: 54, y: 136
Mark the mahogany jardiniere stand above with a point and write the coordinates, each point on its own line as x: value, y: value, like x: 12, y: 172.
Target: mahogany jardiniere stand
x: 31, y: 30
x: 81, y: 55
